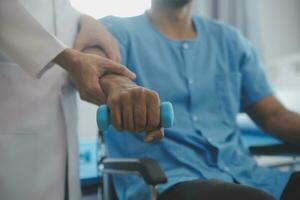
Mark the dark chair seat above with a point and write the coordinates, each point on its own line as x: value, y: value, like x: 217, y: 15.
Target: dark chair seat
x: 276, y: 150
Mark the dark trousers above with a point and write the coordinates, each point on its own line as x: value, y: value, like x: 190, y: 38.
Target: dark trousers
x: 291, y: 191
x: 218, y: 190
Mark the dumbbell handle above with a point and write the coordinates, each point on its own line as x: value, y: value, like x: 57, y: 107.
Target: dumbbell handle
x: 166, y: 116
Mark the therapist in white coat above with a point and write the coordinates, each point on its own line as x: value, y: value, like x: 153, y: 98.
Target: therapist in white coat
x: 38, y: 116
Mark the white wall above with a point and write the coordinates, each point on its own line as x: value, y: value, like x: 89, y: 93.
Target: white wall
x: 280, y: 26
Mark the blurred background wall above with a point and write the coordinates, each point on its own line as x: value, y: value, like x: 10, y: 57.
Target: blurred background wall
x: 280, y: 27
x: 276, y: 22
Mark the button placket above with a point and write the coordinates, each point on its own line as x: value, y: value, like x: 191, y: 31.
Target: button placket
x: 195, y: 118
x: 191, y: 81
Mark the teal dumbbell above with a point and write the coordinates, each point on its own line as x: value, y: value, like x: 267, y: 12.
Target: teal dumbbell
x: 166, y: 116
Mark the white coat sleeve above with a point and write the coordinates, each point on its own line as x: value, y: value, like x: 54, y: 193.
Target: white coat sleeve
x: 25, y: 40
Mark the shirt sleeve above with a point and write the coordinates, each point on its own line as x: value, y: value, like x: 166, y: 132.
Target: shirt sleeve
x: 117, y: 29
x: 25, y: 40
x: 255, y: 85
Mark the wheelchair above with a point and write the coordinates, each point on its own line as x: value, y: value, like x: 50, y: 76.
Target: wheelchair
x: 146, y: 168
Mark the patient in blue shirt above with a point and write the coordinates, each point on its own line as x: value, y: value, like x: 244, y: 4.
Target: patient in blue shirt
x: 210, y: 73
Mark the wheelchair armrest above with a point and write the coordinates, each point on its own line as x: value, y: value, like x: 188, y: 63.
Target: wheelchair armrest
x: 147, y: 168
x: 276, y: 150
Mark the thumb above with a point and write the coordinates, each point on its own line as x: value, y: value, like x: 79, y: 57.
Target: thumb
x: 156, y: 134
x: 116, y: 68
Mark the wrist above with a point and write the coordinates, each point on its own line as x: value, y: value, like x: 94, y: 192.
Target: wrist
x: 112, y: 82
x: 68, y: 59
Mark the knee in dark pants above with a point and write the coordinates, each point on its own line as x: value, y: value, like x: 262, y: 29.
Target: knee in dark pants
x: 256, y: 194
x: 213, y: 190
x: 237, y: 191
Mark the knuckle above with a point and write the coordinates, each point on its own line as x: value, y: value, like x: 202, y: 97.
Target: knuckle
x: 138, y: 90
x: 125, y: 96
x: 138, y: 93
x: 153, y: 95
x: 112, y: 101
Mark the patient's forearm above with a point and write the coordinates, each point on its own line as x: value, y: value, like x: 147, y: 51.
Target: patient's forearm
x: 275, y: 119
x: 285, y: 125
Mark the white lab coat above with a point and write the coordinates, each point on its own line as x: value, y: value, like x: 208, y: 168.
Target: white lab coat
x: 38, y: 137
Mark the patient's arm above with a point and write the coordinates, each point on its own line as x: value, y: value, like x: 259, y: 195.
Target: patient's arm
x: 276, y: 120
x: 132, y: 108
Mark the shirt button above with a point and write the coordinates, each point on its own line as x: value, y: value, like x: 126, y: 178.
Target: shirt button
x: 210, y: 139
x: 191, y: 81
x: 185, y: 45
x: 226, y: 169
x: 195, y: 118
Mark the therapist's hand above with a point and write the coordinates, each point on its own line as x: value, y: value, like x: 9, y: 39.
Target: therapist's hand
x: 85, y: 71
x: 132, y: 108
x: 93, y: 34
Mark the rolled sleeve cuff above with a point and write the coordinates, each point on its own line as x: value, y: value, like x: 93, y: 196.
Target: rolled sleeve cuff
x: 257, y: 93
x: 43, y: 62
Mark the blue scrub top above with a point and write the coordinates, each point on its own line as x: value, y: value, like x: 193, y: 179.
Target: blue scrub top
x: 209, y: 80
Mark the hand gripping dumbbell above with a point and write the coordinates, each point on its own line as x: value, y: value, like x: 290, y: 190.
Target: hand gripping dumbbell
x: 166, y: 116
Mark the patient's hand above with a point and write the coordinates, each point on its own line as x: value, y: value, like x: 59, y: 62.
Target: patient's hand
x: 132, y: 108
